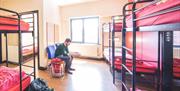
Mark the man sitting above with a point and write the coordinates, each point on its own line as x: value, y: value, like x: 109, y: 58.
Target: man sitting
x: 62, y: 52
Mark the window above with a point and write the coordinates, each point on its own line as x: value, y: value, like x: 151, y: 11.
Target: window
x: 85, y: 30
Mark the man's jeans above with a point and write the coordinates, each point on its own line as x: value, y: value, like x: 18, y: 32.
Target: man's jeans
x: 67, y: 60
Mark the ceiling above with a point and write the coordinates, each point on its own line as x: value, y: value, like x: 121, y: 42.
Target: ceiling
x: 69, y: 2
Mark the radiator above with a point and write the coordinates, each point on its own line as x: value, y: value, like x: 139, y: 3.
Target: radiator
x: 86, y: 50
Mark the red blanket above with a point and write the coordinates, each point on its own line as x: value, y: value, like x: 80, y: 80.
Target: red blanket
x: 8, y: 78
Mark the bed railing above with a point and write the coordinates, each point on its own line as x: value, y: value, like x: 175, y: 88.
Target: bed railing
x: 164, y: 46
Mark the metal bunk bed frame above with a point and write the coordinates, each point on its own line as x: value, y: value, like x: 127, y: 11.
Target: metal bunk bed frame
x: 165, y: 47
x: 111, y: 41
x: 113, y: 47
x: 20, y: 43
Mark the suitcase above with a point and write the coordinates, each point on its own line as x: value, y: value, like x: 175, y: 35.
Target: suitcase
x: 57, y: 67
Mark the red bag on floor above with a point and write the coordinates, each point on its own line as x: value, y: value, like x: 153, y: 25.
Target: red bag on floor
x: 57, y: 67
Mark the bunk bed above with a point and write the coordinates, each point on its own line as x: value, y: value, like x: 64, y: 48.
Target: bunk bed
x: 15, y: 79
x: 109, y: 49
x: 152, y: 17
x: 115, y: 26
x: 113, y: 54
x: 27, y: 48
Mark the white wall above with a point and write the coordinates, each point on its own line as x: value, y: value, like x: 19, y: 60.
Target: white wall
x: 102, y: 8
x: 48, y: 12
x: 23, y: 6
x: 51, y: 14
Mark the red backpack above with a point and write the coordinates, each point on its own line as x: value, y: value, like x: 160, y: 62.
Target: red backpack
x: 57, y: 67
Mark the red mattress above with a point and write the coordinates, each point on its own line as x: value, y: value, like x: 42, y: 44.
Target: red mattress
x: 25, y: 84
x: 28, y: 50
x: 23, y: 25
x: 117, y: 27
x: 148, y: 67
x: 9, y: 79
x: 176, y: 67
x: 160, y: 19
x: 143, y: 67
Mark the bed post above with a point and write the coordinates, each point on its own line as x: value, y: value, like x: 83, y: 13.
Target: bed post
x: 109, y: 24
x: 34, y: 59
x: 159, y: 61
x: 167, y: 61
x: 134, y: 48
x: 113, y: 46
x: 0, y: 48
x: 103, y: 38
x: 20, y: 50
x: 38, y: 53
x: 124, y: 48
x: 5, y: 34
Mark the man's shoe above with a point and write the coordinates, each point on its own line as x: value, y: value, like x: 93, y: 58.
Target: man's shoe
x: 69, y: 72
x: 72, y: 69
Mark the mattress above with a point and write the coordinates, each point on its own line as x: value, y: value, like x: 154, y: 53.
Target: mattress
x: 25, y: 84
x: 117, y: 53
x: 176, y: 67
x: 28, y: 50
x: 143, y: 67
x: 23, y: 25
x: 117, y: 27
x: 148, y: 67
x: 9, y: 79
x: 157, y: 20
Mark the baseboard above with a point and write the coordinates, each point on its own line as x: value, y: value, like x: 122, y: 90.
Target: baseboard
x: 42, y: 68
x: 10, y: 62
x: 93, y: 58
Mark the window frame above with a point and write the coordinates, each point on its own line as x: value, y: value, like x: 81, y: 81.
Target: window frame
x: 83, y: 31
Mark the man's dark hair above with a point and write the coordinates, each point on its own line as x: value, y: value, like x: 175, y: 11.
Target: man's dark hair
x: 67, y: 40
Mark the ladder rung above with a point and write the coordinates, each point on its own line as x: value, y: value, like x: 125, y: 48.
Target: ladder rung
x: 124, y: 85
x: 128, y: 49
x: 127, y: 69
x: 28, y: 66
x: 27, y: 18
x: 25, y: 77
x: 31, y: 74
x: 29, y: 22
x: 176, y: 46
